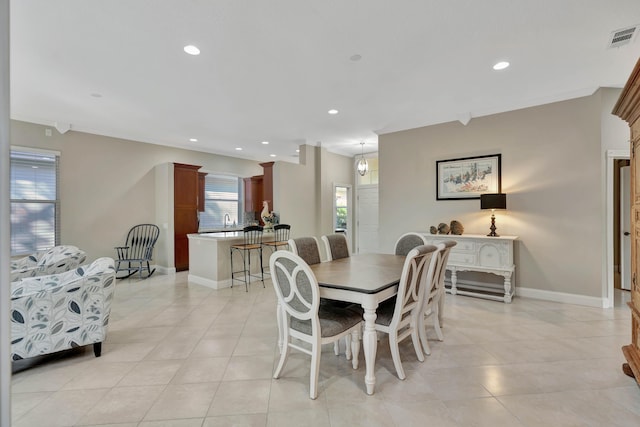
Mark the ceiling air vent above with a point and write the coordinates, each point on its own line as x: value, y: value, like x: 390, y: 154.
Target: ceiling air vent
x: 622, y: 36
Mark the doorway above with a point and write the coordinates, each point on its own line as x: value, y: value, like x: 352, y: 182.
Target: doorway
x: 342, y: 210
x: 613, y: 230
x: 624, y: 227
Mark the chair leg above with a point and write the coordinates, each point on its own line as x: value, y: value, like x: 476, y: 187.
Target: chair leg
x: 315, y: 370
x: 347, y: 344
x: 231, y: 258
x: 395, y: 355
x: 415, y: 338
x: 422, y: 332
x: 336, y: 347
x: 436, y: 323
x: 283, y: 357
x: 280, y: 321
x: 97, y: 349
x: 246, y: 255
x: 355, y: 347
x: 441, y: 307
x: 261, y: 267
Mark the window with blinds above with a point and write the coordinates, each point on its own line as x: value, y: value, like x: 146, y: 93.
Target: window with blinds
x: 35, y: 207
x: 221, y: 196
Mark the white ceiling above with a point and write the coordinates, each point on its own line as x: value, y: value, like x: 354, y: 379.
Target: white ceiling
x: 270, y: 70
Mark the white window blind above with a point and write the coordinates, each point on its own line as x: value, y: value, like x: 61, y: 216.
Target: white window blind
x: 35, y: 205
x: 221, y: 196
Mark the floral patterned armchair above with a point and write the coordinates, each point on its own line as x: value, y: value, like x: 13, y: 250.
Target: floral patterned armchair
x: 62, y: 311
x: 58, y: 259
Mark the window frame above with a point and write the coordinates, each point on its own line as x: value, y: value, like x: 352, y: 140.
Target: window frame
x: 54, y: 202
x: 240, y: 202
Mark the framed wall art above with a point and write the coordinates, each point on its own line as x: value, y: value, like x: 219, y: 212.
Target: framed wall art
x: 468, y: 177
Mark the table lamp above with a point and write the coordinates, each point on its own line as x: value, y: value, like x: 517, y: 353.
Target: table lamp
x: 493, y: 202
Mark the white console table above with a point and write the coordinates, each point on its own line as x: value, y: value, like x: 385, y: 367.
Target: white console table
x: 475, y: 252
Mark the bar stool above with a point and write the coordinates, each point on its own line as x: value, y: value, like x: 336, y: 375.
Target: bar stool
x: 252, y: 243
x: 280, y: 237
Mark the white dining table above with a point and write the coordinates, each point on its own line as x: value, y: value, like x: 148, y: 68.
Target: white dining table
x: 366, y: 279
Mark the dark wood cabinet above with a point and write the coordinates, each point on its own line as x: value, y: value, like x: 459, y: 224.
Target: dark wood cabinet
x: 267, y: 185
x: 628, y: 108
x: 259, y: 188
x: 186, y: 183
x: 201, y: 184
x: 253, y: 194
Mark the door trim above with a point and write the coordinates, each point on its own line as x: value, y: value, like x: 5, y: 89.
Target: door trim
x: 607, y: 283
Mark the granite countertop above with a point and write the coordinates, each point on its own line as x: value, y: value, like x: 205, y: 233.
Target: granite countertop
x: 220, y: 230
x: 217, y: 235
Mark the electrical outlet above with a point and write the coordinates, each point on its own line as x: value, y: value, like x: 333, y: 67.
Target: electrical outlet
x: 47, y: 132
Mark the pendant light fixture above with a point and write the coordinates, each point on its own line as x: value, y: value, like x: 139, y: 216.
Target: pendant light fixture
x: 362, y: 165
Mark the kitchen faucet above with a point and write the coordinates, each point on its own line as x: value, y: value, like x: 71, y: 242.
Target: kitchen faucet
x: 226, y: 217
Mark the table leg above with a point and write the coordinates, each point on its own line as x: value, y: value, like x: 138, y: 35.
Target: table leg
x: 370, y: 347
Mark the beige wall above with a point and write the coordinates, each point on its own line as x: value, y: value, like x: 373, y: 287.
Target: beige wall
x: 109, y: 184
x: 552, y: 174
x: 304, y: 192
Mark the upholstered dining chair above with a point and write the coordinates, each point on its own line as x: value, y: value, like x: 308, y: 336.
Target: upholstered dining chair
x: 433, y: 299
x: 308, y: 249
x: 304, y: 319
x: 408, y: 241
x: 252, y: 243
x: 399, y: 316
x: 336, y: 246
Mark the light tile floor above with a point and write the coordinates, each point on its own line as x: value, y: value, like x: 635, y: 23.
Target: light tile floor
x: 184, y: 355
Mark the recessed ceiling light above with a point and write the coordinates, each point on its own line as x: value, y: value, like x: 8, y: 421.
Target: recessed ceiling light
x: 333, y: 111
x: 238, y: 148
x: 355, y: 57
x: 96, y: 95
x: 265, y: 142
x: 193, y: 139
x: 272, y: 155
x: 192, y: 50
x: 501, y: 65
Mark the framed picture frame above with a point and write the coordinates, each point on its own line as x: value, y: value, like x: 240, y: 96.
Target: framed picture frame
x: 468, y: 177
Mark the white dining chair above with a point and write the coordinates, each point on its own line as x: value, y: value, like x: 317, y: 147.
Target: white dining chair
x: 408, y: 241
x: 433, y: 299
x: 399, y: 316
x: 309, y: 250
x: 304, y: 319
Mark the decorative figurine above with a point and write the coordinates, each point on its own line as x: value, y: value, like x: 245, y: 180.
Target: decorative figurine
x: 443, y: 228
x: 269, y: 218
x: 456, y: 227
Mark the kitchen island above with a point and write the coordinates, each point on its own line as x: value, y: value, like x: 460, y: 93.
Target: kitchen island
x: 209, y: 261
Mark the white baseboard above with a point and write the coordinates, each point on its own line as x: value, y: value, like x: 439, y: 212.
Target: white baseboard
x: 560, y: 297
x: 164, y: 270
x: 539, y: 294
x: 213, y: 284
